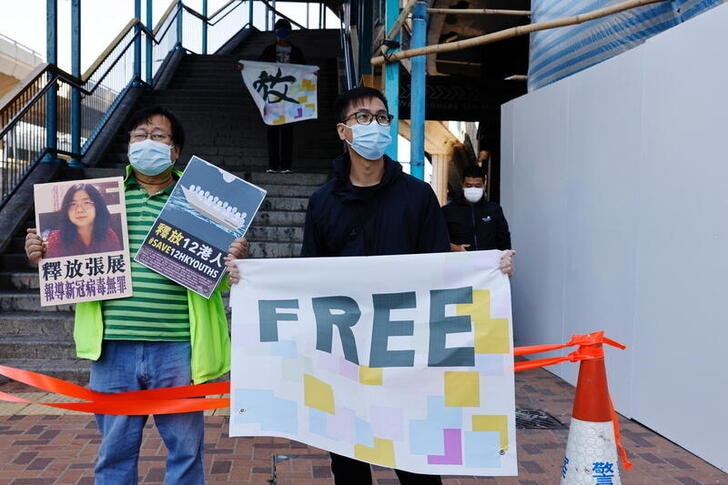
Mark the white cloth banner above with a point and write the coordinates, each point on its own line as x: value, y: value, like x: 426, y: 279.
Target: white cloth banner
x: 402, y: 361
x: 284, y: 93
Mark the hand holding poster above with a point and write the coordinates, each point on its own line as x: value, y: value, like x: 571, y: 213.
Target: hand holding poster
x: 83, y: 225
x: 284, y: 93
x: 402, y: 361
x: 206, y: 211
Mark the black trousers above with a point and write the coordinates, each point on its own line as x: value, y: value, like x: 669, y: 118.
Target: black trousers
x: 280, y: 146
x: 348, y: 471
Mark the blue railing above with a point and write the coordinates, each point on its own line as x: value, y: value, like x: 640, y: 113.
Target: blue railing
x: 135, y: 56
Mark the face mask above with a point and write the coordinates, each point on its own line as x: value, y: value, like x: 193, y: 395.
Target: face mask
x: 370, y: 141
x: 283, y: 33
x: 150, y: 157
x: 473, y: 194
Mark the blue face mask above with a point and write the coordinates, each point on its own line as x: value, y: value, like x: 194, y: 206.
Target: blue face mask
x: 150, y: 157
x: 283, y: 33
x: 370, y: 141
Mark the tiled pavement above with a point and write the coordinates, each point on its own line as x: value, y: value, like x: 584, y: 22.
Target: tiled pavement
x: 42, y: 446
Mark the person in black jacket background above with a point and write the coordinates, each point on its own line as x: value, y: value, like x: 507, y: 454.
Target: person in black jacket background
x: 473, y: 222
x: 280, y: 137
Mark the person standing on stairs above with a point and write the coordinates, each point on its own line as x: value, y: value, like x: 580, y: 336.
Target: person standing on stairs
x: 162, y: 336
x: 280, y: 137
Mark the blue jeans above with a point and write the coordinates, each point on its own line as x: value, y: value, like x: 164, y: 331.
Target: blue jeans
x: 136, y: 365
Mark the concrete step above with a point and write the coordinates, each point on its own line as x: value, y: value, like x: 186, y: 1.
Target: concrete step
x: 284, y: 204
x: 274, y: 249
x: 14, y: 261
x: 264, y: 179
x: 19, y: 280
x: 37, y: 325
x: 275, y: 218
x: 35, y: 348
x: 260, y: 234
x: 11, y: 301
x: 72, y: 369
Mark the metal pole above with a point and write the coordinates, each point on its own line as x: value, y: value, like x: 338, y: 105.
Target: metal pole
x: 391, y: 81
x: 150, y: 25
x: 75, y: 92
x: 51, y: 121
x: 180, y: 19
x: 204, y: 27
x: 417, y: 100
x: 137, y: 41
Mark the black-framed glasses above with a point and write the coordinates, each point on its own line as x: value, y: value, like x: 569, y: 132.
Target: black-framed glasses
x: 365, y: 117
x: 137, y: 136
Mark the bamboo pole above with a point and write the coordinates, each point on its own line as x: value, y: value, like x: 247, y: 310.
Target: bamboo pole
x: 513, y: 32
x: 477, y: 11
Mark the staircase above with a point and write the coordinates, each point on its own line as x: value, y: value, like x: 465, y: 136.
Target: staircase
x: 223, y: 127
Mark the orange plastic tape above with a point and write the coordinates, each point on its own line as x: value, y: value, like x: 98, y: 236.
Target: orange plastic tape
x: 168, y: 400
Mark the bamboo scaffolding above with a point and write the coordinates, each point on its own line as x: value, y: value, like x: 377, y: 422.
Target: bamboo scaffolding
x: 477, y: 11
x: 512, y: 32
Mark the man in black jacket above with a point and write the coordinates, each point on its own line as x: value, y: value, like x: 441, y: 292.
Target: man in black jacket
x: 473, y: 222
x: 371, y: 207
x: 280, y: 137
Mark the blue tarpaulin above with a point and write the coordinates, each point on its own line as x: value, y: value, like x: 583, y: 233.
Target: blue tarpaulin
x: 558, y: 53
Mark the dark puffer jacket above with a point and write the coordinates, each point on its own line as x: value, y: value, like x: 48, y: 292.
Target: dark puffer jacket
x: 400, y: 215
x: 482, y: 225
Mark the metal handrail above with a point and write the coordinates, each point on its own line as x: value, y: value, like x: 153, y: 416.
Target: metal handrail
x: 101, y: 87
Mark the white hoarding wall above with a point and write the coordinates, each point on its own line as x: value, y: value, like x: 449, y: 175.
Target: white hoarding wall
x: 615, y: 183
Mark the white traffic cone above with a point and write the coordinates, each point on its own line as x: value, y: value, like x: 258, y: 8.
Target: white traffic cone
x: 591, y: 450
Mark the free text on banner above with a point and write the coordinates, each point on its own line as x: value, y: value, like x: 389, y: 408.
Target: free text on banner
x: 402, y: 361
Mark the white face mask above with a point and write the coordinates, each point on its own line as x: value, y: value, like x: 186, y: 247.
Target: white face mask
x: 473, y: 194
x: 370, y: 141
x: 150, y: 157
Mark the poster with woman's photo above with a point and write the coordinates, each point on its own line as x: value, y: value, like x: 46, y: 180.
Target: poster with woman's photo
x: 206, y: 211
x: 83, y: 227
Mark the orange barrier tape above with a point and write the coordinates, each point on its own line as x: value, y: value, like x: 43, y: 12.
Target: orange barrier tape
x: 590, y: 347
x: 168, y: 400
x: 186, y: 398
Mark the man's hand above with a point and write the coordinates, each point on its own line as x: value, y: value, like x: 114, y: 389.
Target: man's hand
x: 506, y: 262
x: 238, y: 249
x: 459, y: 247
x: 34, y: 246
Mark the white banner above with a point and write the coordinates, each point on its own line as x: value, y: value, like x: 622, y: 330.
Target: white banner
x: 402, y: 361
x: 284, y: 93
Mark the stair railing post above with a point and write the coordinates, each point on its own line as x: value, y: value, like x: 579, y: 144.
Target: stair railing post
x: 417, y: 101
x: 51, y: 121
x: 391, y: 81
x: 180, y: 24
x: 75, y: 90
x: 138, y: 41
x: 204, y: 27
x: 150, y: 28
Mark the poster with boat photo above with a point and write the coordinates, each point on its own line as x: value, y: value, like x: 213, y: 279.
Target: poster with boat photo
x: 207, y: 210
x: 83, y: 226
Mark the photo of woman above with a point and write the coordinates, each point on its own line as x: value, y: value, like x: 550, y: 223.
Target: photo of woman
x: 84, y: 225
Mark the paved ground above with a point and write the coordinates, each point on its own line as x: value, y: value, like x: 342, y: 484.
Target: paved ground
x: 42, y: 446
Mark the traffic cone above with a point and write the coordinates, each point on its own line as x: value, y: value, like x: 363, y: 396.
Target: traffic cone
x: 591, y: 450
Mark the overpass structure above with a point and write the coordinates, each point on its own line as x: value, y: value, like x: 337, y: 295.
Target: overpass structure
x: 16, y: 62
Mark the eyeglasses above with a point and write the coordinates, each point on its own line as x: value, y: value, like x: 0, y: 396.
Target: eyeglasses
x: 86, y: 204
x: 137, y: 136
x: 365, y: 118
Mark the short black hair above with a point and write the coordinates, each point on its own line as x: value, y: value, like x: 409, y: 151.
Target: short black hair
x: 350, y: 97
x: 474, y: 171
x: 143, y: 115
x: 282, y: 24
